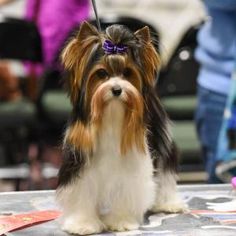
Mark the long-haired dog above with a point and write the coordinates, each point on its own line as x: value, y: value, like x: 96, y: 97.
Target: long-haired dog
x: 118, y: 160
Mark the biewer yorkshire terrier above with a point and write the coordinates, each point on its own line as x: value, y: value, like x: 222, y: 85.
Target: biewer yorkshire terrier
x: 118, y: 153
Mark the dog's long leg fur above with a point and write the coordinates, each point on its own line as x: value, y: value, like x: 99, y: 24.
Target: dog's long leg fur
x: 80, y: 215
x: 164, y: 156
x: 167, y: 198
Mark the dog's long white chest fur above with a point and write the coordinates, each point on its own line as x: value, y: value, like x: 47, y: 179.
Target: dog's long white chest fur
x: 124, y: 181
x: 114, y: 191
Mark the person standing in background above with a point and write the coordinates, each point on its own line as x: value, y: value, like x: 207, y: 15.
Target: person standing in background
x: 216, y: 53
x: 55, y: 20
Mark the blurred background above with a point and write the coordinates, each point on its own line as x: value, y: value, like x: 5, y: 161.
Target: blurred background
x: 34, y: 105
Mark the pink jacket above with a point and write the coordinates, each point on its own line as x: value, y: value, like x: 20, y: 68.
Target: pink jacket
x: 55, y: 20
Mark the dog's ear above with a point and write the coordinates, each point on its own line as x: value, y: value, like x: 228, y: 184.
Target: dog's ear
x: 76, y: 54
x: 69, y: 54
x: 143, y: 34
x: 72, y: 51
x: 86, y: 30
x: 149, y: 55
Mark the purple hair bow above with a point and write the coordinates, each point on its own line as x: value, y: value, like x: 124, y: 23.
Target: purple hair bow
x: 111, y: 48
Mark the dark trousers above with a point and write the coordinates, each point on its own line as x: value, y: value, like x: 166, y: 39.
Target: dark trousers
x: 209, y: 117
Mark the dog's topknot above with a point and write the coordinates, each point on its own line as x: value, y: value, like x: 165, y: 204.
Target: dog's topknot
x: 120, y: 34
x: 140, y: 48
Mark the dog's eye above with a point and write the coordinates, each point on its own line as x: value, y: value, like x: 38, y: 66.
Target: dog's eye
x: 102, y: 74
x: 127, y: 72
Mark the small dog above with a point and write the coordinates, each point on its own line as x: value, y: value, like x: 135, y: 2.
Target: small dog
x: 118, y: 160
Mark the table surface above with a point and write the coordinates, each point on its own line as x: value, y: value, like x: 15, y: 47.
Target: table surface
x: 198, y: 197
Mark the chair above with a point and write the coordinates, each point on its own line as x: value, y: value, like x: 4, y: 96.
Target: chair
x: 177, y: 81
x: 19, y: 40
x: 177, y: 88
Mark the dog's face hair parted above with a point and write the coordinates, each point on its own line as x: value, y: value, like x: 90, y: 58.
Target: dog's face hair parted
x: 98, y: 77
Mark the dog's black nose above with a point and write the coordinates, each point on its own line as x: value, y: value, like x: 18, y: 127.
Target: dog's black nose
x: 116, y: 90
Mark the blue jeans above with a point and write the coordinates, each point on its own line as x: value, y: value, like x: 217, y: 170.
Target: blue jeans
x: 209, y: 117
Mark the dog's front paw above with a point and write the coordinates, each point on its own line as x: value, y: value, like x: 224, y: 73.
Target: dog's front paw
x: 176, y: 206
x: 82, y: 226
x: 119, y: 223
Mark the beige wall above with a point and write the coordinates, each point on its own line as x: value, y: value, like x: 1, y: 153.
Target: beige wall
x: 15, y: 8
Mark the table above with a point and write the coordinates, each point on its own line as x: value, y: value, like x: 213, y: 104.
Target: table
x: 201, y: 221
